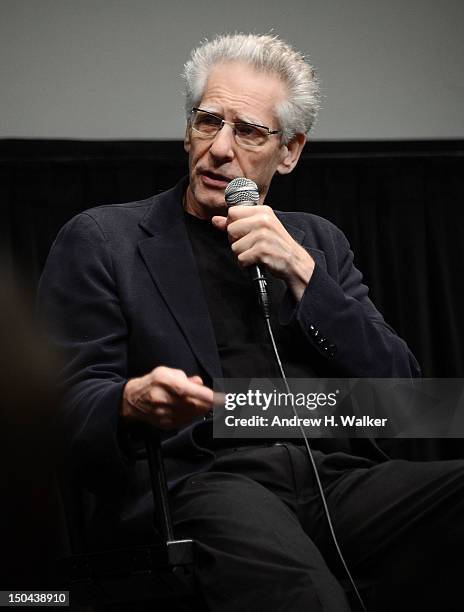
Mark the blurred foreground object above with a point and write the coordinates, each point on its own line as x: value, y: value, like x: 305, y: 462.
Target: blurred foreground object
x: 31, y: 524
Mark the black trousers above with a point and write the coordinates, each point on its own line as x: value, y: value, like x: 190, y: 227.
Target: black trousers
x: 264, y: 542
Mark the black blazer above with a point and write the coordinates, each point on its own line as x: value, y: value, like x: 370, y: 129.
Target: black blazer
x: 122, y: 295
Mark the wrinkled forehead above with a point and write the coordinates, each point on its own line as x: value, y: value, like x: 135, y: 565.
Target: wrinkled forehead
x: 242, y: 91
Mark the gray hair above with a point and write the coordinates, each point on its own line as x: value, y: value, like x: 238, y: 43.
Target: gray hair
x: 266, y: 53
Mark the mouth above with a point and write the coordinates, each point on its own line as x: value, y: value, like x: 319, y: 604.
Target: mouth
x: 214, y: 179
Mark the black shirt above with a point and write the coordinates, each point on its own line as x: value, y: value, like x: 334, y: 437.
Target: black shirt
x: 241, y: 336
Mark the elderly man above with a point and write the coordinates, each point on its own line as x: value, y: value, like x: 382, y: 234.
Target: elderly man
x: 151, y: 301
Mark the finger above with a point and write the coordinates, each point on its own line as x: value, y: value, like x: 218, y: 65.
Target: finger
x: 219, y: 222
x: 162, y: 411
x: 219, y: 399
x: 176, y: 384
x: 171, y: 416
x: 165, y: 376
x: 181, y: 402
x: 251, y: 256
x: 165, y: 397
x: 187, y: 408
x: 194, y: 391
x: 241, y: 227
x: 261, y: 246
x: 180, y: 412
x: 170, y: 379
x: 196, y: 379
x: 247, y: 242
x: 159, y: 395
x: 176, y: 408
x: 241, y: 212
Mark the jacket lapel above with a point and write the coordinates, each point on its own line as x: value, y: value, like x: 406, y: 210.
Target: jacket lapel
x: 168, y: 255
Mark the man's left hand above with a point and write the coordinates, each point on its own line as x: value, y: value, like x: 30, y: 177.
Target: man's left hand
x: 258, y: 237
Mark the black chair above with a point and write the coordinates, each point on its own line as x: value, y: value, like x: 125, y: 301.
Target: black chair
x: 117, y: 579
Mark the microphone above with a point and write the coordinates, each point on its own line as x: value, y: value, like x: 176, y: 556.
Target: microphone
x: 244, y: 191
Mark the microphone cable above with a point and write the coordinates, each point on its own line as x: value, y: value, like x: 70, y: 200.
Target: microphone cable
x: 320, y: 488
x: 245, y: 191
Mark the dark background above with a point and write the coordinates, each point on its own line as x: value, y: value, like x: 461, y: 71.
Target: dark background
x: 401, y: 205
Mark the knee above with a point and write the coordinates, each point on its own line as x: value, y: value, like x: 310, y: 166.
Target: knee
x: 252, y: 551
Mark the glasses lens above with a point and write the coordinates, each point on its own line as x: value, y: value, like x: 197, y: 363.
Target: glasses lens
x: 250, y: 134
x: 205, y: 123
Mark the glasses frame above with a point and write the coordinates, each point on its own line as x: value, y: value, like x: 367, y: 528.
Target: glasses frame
x: 233, y: 125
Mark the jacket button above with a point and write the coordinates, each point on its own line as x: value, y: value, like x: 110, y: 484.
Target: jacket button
x: 332, y: 350
x: 313, y: 331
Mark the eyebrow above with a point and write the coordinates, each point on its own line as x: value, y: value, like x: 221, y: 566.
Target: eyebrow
x: 239, y: 119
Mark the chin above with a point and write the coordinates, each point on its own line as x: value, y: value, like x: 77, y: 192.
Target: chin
x: 211, y: 201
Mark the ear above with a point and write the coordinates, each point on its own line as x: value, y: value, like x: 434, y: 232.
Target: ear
x: 187, y: 138
x: 291, y: 154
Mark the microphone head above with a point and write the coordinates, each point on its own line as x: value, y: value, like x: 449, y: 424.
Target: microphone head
x: 241, y: 191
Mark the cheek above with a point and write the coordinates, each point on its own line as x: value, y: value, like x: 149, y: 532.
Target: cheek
x: 193, y: 160
x: 266, y: 169
x: 198, y: 148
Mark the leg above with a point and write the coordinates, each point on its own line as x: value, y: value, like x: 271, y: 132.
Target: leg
x: 253, y: 553
x: 402, y: 520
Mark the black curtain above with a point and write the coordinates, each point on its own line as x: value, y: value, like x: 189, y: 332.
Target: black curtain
x: 401, y: 205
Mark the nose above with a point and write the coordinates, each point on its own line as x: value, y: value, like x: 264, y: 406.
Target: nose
x: 222, y: 146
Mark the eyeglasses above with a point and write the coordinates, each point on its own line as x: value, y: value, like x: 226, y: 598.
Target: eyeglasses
x: 207, y: 125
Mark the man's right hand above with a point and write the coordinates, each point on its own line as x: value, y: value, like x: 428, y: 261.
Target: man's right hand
x: 166, y: 398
